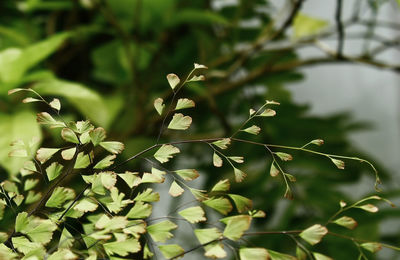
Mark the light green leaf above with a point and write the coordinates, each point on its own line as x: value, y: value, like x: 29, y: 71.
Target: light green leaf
x: 305, y: 25
x: 318, y: 142
x: 82, y: 161
x: 54, y: 170
x: 159, y: 106
x: 21, y: 222
x: 243, y: 204
x: 213, y: 250
x: 197, y: 78
x: 373, y: 247
x: 122, y: 248
x: 339, y: 163
x: 113, y: 146
x: 66, y: 239
x: 170, y: 251
x: 236, y: 226
x: 188, y: 174
x: 180, y: 122
x: 113, y: 223
x: 18, y: 153
x: 173, y: 80
x: 31, y: 100
x: 319, y: 256
x: 314, y: 234
x: 236, y: 159
x: 220, y: 204
x: 135, y: 228
x: 68, y: 154
x: 369, y: 207
x: 346, y: 222
x: 85, y: 205
x: 273, y: 170
x: 193, y: 214
x: 284, y: 156
x: 184, y: 103
x: 105, y: 162
x: 239, y: 175
x: 118, y: 202
x: 156, y: 176
x: 140, y: 210
x: 97, y: 135
x: 43, y: 154
x: 268, y: 112
x: 108, y: 179
x: 147, y: 253
x: 279, y: 256
x: 160, y: 232
x: 175, y: 190
x: 32, y: 197
x: 7, y: 253
x: 59, y: 196
x: 165, y: 153
x: 200, y: 195
x: 131, y: 178
x: 254, y: 130
x: 64, y: 254
x: 199, y: 66
x: 45, y: 118
x: 87, y: 101
x: 221, y: 186
x: 69, y: 136
x: 39, y: 230
x: 24, y: 245
x: 30, y: 184
x: 148, y: 196
x: 253, y: 253
x: 223, y: 143
x: 217, y: 160
x: 55, y: 103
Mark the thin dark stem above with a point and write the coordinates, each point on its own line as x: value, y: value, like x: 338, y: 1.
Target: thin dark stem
x: 340, y: 28
x: 74, y: 201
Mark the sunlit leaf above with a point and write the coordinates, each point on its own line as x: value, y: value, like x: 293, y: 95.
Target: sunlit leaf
x: 279, y: 256
x: 30, y: 100
x: 148, y: 196
x: 339, y: 163
x: 160, y: 232
x: 140, y: 210
x: 24, y: 245
x: 68, y: 154
x: 147, y: 253
x: 369, y: 207
x: 66, y: 239
x: 45, y: 118
x: 346, y: 222
x: 284, y: 156
x: 64, y: 254
x: 319, y: 256
x: 43, y: 154
x: 188, y: 174
x: 243, y: 204
x: 217, y: 160
x: 305, y: 25
x: 54, y: 170
x: 170, y: 251
x: 159, y: 105
x: 69, y: 136
x: 180, y: 122
x: 32, y: 197
x: 236, y: 226
x: 55, y: 103
x: 118, y: 202
x: 165, y: 153
x: 318, y: 142
x: 108, y: 179
x: 175, y: 190
x: 130, y: 178
x: 122, y: 248
x: 184, y: 103
x: 223, y: 143
x: 105, y: 162
x: 236, y: 159
x: 113, y: 146
x: 156, y: 176
x: 372, y: 246
x: 113, y: 223
x: 220, y: 204
x: 193, y: 214
x: 82, y: 161
x: 200, y: 66
x: 314, y: 234
x: 273, y: 170
x: 253, y: 253
x: 59, y: 196
x: 173, y: 80
x: 254, y: 130
x: 239, y: 175
x: 86, y: 205
x: 30, y: 184
x: 97, y: 135
x: 268, y: 112
x: 221, y: 186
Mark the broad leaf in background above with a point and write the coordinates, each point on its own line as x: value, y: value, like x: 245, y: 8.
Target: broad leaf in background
x: 305, y: 25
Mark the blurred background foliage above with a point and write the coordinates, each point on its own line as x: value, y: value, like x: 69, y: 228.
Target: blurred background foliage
x: 107, y: 61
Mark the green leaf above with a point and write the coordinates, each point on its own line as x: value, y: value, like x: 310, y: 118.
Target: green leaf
x: 369, y: 207
x: 279, y: 256
x: 159, y: 232
x: 105, y: 162
x: 236, y: 226
x: 30, y: 184
x: 223, y: 143
x: 68, y: 154
x: 217, y: 160
x: 180, y: 122
x: 173, y: 80
x: 113, y: 223
x: 239, y: 175
x: 165, y: 153
x: 64, y: 254
x: 319, y: 256
x: 339, y: 163
x: 130, y: 178
x: 39, y: 230
x: 156, y: 176
x: 7, y: 253
x: 197, y: 78
x: 159, y: 106
x: 184, y: 103
x: 24, y: 245
x: 147, y: 253
x: 273, y: 171
x: 122, y: 248
x: 108, y: 179
x: 243, y: 204
x: 82, y: 161
x: 69, y: 136
x: 220, y: 204
x: 148, y: 196
x: 59, y: 196
x: 193, y: 214
x: 200, y: 195
x: 54, y: 170
x: 31, y: 100
x: 221, y: 186
x: 118, y: 203
x: 253, y: 253
x: 346, y: 222
x: 254, y: 130
x: 318, y: 142
x: 97, y: 135
x: 45, y: 118
x: 188, y: 174
x: 213, y: 250
x: 85, y: 205
x: 175, y: 190
x: 66, y: 239
x: 373, y: 247
x: 284, y: 156
x: 170, y: 251
x: 314, y: 234
x: 305, y: 26
x: 43, y: 154
x: 113, y: 146
x: 21, y: 222
x: 236, y: 159
x: 140, y: 210
x: 268, y: 112
x: 55, y: 103
x: 32, y: 197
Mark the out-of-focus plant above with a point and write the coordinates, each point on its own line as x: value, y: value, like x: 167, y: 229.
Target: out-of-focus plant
x: 111, y: 217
